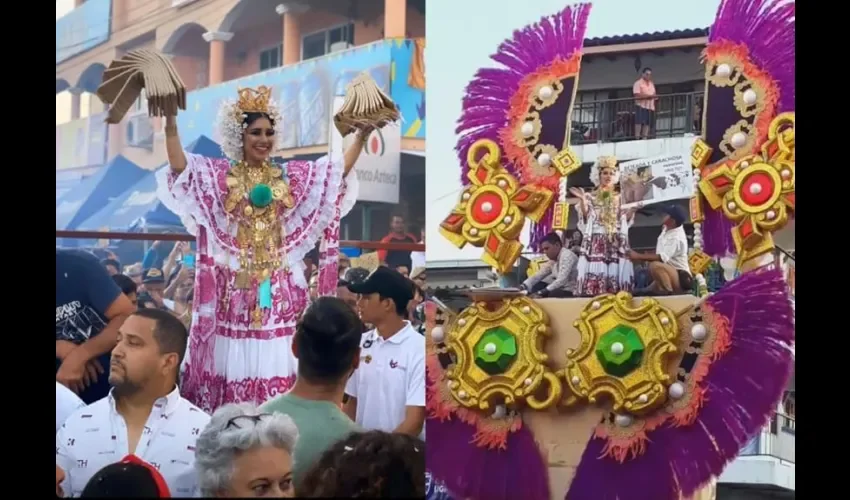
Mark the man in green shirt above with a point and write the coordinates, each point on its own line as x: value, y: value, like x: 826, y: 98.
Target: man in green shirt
x: 327, y: 345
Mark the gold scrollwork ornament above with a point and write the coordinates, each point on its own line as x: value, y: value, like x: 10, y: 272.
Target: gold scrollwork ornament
x: 499, y: 356
x: 624, y: 354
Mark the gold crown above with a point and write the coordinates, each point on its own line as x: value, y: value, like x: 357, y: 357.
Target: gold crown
x: 607, y: 162
x: 254, y: 101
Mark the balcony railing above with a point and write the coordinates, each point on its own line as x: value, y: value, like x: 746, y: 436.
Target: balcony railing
x: 614, y: 120
x: 777, y: 439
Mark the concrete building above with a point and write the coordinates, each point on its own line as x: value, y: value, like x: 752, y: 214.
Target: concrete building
x: 306, y: 51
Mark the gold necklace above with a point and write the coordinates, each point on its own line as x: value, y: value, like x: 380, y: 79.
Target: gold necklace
x: 254, y: 197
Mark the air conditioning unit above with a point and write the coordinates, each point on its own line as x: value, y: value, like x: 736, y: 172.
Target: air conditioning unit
x: 340, y: 46
x: 140, y: 132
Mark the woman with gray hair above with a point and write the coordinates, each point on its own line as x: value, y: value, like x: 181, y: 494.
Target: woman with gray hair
x: 244, y: 452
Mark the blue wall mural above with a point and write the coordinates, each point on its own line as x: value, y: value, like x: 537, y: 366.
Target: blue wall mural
x: 82, y: 29
x: 407, y: 85
x: 305, y: 93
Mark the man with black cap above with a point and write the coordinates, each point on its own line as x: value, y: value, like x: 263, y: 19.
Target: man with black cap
x: 154, y: 281
x: 668, y: 266
x: 387, y: 391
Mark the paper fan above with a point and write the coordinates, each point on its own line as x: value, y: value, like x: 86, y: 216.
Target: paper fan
x: 365, y: 106
x: 141, y: 69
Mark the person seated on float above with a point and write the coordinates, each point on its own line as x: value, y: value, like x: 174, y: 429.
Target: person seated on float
x: 557, y: 277
x: 668, y: 265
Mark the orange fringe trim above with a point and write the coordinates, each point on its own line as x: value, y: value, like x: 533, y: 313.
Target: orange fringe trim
x: 440, y: 404
x: 622, y: 447
x: 517, y: 152
x: 755, y: 74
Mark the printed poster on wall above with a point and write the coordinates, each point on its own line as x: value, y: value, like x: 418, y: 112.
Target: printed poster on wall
x: 655, y: 180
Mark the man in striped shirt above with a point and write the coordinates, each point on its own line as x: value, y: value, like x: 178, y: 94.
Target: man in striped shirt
x: 557, y: 277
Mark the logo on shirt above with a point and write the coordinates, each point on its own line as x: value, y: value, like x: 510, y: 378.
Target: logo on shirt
x: 77, y: 323
x: 367, y: 358
x: 393, y: 364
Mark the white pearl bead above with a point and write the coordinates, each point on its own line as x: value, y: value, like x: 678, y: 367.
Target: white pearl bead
x: 770, y: 215
x: 745, y: 164
x: 697, y: 225
x: 545, y: 92
x: 526, y: 310
x: 544, y: 160
x: 643, y: 398
x: 500, y: 411
x: 665, y: 320
x: 698, y: 245
x: 676, y: 391
x: 528, y: 381
x: 473, y: 231
x: 698, y: 331
x: 750, y: 97
x: 595, y: 304
x: 461, y: 394
x: 623, y: 420
x: 490, y: 348
x: 502, y: 183
x: 755, y: 188
x: 696, y: 172
x: 486, y: 207
x: 575, y: 380
x: 508, y: 219
x: 724, y: 70
x: 786, y: 174
x: 461, y: 322
x: 437, y: 334
x: 617, y: 348
x: 527, y: 129
x: 465, y: 196
x: 739, y: 139
x: 732, y: 205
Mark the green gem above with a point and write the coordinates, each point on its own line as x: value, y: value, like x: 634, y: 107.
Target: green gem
x: 620, y: 350
x: 496, y: 351
x: 261, y: 195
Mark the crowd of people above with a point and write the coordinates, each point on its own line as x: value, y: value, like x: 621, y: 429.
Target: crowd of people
x: 352, y: 423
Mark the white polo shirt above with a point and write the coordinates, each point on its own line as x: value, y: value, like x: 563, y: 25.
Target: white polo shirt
x: 96, y: 436
x: 66, y: 404
x: 391, y: 377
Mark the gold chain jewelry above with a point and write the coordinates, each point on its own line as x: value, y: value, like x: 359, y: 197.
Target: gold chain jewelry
x: 254, y: 197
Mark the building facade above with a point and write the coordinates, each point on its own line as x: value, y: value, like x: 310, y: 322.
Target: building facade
x: 307, y: 51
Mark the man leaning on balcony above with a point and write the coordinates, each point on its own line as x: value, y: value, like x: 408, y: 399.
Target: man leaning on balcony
x: 644, y: 92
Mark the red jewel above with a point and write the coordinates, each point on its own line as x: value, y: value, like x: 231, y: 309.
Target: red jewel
x: 486, y: 207
x: 757, y: 188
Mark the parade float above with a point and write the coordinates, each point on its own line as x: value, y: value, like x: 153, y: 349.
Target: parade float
x: 614, y: 397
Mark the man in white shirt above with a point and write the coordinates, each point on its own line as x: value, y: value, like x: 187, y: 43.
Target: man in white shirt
x: 668, y: 266
x: 66, y: 403
x: 143, y: 415
x: 557, y: 277
x: 387, y: 390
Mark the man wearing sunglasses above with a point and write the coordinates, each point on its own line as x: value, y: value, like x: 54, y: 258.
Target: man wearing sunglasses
x: 143, y: 415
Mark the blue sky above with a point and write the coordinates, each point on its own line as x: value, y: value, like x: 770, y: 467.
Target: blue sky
x: 463, y: 33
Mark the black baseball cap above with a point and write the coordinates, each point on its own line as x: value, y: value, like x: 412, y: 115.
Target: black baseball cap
x: 153, y: 275
x: 675, y: 212
x: 385, y: 282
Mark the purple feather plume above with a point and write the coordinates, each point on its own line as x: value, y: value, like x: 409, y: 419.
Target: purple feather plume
x: 768, y: 29
x: 487, y: 97
x: 476, y: 473
x: 742, y: 389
